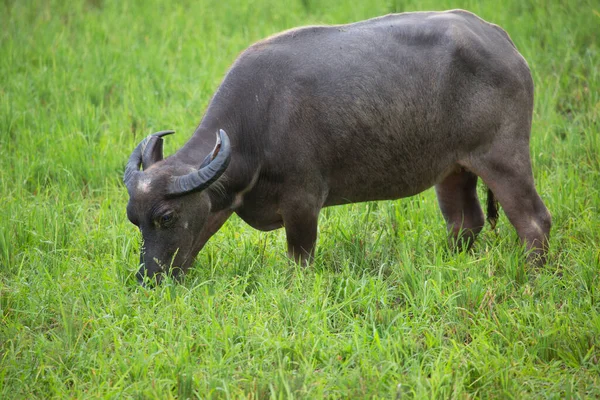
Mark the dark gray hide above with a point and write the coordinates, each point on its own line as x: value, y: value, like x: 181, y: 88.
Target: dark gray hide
x: 319, y: 116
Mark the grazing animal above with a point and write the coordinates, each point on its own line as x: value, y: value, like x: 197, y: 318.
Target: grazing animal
x: 325, y: 115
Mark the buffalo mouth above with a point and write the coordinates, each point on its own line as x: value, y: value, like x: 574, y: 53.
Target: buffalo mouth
x: 154, y: 278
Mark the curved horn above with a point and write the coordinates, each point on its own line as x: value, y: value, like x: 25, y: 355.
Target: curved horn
x: 153, y: 150
x: 146, y: 153
x: 205, y: 176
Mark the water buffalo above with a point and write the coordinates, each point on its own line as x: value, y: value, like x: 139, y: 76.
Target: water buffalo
x: 325, y: 115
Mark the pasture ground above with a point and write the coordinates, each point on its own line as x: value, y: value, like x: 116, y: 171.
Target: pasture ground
x: 385, y: 312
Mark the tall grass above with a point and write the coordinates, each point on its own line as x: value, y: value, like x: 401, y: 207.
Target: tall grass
x: 385, y: 312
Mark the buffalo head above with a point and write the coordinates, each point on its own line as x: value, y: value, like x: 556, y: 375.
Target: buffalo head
x: 169, y: 204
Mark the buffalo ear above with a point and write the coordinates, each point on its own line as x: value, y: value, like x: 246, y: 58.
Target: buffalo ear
x: 211, y: 156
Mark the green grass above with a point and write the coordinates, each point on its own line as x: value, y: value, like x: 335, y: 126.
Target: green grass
x: 385, y: 311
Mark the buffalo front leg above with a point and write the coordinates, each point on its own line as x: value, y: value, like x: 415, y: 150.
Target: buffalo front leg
x: 300, y: 220
x: 457, y: 198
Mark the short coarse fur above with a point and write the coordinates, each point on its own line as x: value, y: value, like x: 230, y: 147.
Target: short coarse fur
x: 380, y: 109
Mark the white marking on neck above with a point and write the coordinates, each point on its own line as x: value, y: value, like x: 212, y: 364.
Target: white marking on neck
x: 238, y: 199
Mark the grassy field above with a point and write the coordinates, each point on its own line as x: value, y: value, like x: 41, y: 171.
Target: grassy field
x: 385, y: 312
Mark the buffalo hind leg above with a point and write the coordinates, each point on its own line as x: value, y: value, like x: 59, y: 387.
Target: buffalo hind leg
x: 511, y: 180
x: 457, y: 198
x: 300, y: 220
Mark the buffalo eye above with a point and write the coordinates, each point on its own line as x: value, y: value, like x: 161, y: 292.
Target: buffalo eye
x: 166, y: 219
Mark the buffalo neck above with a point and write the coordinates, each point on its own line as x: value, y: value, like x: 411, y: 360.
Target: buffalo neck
x: 238, y: 174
